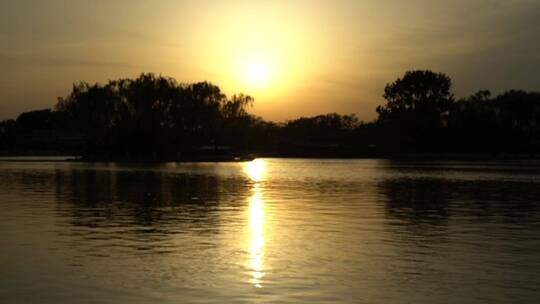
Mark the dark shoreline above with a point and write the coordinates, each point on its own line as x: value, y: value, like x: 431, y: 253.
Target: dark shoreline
x: 201, y: 159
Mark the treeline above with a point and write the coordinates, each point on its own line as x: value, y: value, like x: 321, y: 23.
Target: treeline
x: 156, y: 118
x: 422, y: 115
x: 148, y: 118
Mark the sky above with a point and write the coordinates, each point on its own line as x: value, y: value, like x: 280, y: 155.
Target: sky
x: 296, y: 58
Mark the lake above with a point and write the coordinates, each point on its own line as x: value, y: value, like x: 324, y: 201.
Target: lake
x: 270, y: 231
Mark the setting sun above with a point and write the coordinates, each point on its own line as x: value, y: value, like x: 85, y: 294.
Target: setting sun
x: 257, y: 71
x: 257, y: 75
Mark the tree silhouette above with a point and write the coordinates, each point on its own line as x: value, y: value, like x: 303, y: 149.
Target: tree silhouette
x: 417, y: 106
x: 509, y: 122
x: 155, y: 118
x: 151, y: 117
x: 7, y: 135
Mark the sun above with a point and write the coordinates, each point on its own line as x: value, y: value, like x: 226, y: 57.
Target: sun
x: 256, y: 75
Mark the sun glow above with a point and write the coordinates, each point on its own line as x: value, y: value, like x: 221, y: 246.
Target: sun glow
x: 257, y: 72
x: 258, y: 54
x: 257, y: 75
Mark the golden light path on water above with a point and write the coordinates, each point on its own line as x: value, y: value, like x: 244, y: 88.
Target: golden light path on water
x: 255, y: 170
x: 256, y: 219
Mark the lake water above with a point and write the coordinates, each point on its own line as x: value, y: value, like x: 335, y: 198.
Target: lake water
x: 270, y: 231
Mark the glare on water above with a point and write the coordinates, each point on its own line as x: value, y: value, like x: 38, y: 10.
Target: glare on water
x: 257, y: 242
x: 256, y: 219
x: 255, y: 170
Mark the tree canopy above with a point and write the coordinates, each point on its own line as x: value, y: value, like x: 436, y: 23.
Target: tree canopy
x: 417, y: 107
x: 156, y: 118
x: 151, y: 116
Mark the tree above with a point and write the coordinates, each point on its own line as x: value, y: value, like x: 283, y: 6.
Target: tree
x: 7, y: 135
x: 417, y: 106
x: 153, y: 117
x: 95, y: 111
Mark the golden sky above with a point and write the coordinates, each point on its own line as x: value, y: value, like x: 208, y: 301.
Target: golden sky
x: 295, y: 57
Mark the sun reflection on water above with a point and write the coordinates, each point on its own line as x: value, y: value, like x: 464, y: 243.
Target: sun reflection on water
x: 256, y: 229
x: 256, y: 219
x: 255, y: 170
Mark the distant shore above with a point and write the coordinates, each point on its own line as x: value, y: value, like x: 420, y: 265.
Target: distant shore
x: 404, y: 157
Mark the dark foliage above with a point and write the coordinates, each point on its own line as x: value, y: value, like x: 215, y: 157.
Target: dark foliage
x: 508, y: 123
x: 155, y: 118
x: 416, y: 110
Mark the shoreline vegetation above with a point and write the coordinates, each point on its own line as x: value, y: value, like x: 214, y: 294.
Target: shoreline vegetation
x: 428, y: 157
x: 53, y: 156
x: 156, y: 119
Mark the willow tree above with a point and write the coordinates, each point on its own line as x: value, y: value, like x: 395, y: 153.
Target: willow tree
x: 151, y: 117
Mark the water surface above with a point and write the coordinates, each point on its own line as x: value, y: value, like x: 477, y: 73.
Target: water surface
x: 270, y: 231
